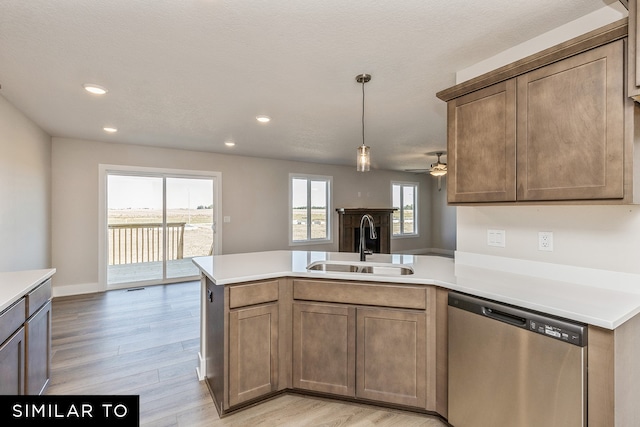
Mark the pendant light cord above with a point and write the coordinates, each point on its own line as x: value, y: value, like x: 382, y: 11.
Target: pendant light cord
x: 363, y: 112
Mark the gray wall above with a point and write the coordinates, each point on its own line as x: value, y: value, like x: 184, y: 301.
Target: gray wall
x: 25, y: 192
x: 254, y: 191
x: 443, y: 218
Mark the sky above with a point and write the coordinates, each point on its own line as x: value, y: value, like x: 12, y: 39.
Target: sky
x: 135, y: 192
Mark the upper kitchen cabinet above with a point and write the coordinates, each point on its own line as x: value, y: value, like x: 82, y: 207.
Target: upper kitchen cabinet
x: 570, y: 140
x: 553, y: 127
x: 633, y: 77
x: 482, y: 145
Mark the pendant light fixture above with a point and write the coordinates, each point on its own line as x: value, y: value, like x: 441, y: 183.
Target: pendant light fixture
x: 364, y: 155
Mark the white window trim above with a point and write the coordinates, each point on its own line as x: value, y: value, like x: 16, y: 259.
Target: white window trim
x: 416, y: 216
x: 329, y: 239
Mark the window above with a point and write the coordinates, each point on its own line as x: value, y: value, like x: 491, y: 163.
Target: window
x: 310, y: 204
x: 405, y: 200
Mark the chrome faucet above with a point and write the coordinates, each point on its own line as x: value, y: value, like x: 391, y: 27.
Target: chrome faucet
x: 372, y: 234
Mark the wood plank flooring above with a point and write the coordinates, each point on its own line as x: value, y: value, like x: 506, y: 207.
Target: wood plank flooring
x: 146, y: 342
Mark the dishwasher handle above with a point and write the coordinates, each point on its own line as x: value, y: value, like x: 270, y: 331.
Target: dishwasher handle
x: 504, y: 317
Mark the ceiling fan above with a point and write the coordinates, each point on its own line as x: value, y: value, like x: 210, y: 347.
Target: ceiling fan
x: 438, y: 169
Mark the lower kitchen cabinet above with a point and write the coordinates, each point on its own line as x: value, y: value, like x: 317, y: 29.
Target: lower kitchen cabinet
x: 370, y: 353
x: 25, y: 343
x: 391, y: 356
x: 38, y: 355
x: 324, y: 348
x: 12, y: 360
x: 253, y: 352
x: 356, y: 340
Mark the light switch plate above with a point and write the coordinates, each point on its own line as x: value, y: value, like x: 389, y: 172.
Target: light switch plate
x: 496, y: 238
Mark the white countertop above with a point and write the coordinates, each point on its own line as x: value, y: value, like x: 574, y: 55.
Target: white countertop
x: 15, y: 284
x: 595, y: 305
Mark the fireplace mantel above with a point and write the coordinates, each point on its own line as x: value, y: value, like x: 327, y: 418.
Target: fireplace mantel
x: 349, y: 229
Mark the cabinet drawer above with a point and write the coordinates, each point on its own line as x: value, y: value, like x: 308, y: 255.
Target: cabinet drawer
x: 360, y: 293
x: 11, y: 319
x: 254, y: 293
x: 38, y: 297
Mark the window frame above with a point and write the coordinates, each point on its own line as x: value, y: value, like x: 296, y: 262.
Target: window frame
x: 329, y: 197
x: 416, y: 228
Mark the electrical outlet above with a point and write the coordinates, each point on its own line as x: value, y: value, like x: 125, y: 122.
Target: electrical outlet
x: 496, y: 238
x: 545, y: 241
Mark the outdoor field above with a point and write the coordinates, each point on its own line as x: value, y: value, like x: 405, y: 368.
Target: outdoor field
x: 198, y: 234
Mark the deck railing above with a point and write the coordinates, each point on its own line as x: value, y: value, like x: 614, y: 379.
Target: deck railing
x: 134, y: 243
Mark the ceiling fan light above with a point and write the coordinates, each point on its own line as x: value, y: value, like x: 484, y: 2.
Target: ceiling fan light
x: 438, y: 172
x: 364, y: 159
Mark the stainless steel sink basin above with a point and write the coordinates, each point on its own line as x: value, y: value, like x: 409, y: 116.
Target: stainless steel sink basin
x: 382, y: 269
x: 324, y: 266
x: 387, y: 270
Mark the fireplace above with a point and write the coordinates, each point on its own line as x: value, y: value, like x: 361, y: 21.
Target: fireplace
x: 349, y: 229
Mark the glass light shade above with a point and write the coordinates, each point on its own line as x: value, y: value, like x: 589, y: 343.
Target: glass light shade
x: 364, y: 159
x: 438, y: 172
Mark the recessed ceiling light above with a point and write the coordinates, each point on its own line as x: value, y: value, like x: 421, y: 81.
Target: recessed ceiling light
x: 110, y: 129
x: 229, y: 143
x: 94, y: 89
x: 263, y: 119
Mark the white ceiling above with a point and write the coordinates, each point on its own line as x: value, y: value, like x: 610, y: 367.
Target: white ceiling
x: 192, y: 74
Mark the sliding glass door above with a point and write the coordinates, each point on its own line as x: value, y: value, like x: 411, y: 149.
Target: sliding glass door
x: 190, y: 219
x: 156, y: 223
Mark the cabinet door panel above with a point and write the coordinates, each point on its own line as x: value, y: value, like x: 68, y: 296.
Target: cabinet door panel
x: 571, y: 128
x: 633, y: 49
x: 391, y: 356
x: 481, y: 155
x: 12, y: 361
x: 324, y: 348
x: 38, y: 337
x: 253, y: 352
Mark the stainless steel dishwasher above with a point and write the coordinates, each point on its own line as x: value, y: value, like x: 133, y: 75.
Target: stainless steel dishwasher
x: 510, y: 367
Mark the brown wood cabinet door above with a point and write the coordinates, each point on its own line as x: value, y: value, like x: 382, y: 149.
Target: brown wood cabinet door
x: 571, y: 128
x: 324, y: 348
x: 391, y: 356
x: 12, y: 361
x: 253, y: 352
x: 481, y: 143
x: 38, y: 337
x: 633, y: 49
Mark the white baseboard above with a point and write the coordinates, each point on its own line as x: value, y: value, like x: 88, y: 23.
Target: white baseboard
x: 68, y: 290
x: 202, y: 369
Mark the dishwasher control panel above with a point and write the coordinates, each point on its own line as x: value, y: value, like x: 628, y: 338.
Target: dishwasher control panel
x: 557, y: 332
x: 540, y: 323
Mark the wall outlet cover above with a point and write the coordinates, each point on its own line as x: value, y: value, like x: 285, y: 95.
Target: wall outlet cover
x: 545, y: 241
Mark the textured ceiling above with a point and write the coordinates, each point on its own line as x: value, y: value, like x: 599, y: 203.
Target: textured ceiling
x: 192, y: 74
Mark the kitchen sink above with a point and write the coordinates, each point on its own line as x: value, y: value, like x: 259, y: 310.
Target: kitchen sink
x: 332, y: 266
x: 377, y: 268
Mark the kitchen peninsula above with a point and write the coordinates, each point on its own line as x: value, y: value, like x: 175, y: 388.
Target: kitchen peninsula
x: 270, y: 325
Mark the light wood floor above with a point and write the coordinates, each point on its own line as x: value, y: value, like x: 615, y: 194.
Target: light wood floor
x: 145, y: 342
